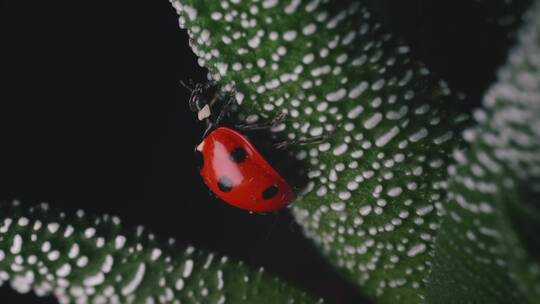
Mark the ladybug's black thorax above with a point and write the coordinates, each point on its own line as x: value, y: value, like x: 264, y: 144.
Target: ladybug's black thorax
x: 202, y: 95
x: 210, y: 105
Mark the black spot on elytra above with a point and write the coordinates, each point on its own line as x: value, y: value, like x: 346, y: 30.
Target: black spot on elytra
x: 270, y: 192
x: 225, y: 184
x: 199, y: 159
x: 238, y: 155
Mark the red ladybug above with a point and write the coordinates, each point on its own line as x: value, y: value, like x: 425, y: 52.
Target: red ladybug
x: 238, y: 174
x: 231, y: 166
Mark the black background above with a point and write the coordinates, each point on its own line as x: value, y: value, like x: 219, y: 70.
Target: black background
x: 92, y: 116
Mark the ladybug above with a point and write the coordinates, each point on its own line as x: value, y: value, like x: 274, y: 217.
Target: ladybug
x: 238, y: 174
x: 230, y: 165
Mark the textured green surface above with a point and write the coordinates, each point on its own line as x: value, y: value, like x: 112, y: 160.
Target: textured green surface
x: 378, y: 189
x: 81, y: 260
x: 375, y: 186
x: 487, y: 248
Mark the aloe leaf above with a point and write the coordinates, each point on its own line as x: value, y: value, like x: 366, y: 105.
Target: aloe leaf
x: 376, y: 186
x: 83, y: 260
x: 487, y: 250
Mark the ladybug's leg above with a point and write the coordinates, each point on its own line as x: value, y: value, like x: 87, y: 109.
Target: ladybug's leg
x: 304, y: 141
x: 190, y: 87
x: 209, y: 128
x: 211, y: 124
x: 225, y: 109
x: 262, y: 126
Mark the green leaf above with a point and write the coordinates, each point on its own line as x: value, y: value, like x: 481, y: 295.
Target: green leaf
x: 375, y: 187
x: 485, y: 250
x: 85, y: 260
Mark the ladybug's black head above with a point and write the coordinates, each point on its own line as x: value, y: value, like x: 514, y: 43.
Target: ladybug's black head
x: 203, y: 97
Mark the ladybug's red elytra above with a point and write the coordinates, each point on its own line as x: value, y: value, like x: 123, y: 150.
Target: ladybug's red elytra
x: 231, y: 166
x: 238, y: 174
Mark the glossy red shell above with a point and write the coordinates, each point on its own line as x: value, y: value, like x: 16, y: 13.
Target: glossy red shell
x: 249, y: 179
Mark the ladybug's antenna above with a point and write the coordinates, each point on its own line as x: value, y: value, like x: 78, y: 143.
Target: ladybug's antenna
x: 190, y: 88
